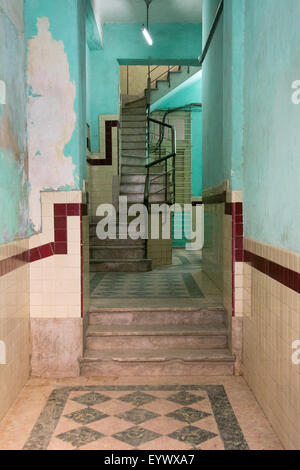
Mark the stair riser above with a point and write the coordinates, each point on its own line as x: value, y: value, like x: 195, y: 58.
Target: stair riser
x: 153, y: 369
x: 139, y: 179
x: 94, y: 240
x: 134, y: 152
x: 156, y: 342
x: 133, y: 146
x: 129, y: 170
x: 133, y: 118
x: 157, y: 317
x: 140, y: 188
x: 131, y: 110
x: 133, y: 132
x: 133, y: 124
x: 139, y: 198
x: 140, y: 138
x: 134, y: 160
x: 121, y: 267
x: 111, y: 253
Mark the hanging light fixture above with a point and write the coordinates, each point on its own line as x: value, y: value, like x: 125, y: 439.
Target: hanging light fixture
x: 145, y: 30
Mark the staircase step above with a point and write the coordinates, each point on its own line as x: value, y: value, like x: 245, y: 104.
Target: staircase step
x: 133, y: 110
x: 117, y: 252
x: 95, y: 241
x: 154, y: 316
x: 133, y: 131
x: 120, y: 265
x: 125, y: 118
x: 132, y: 138
x: 136, y: 103
x: 134, y: 146
x: 136, y: 198
x: 134, y: 153
x: 135, y: 188
x: 177, y: 362
x: 128, y: 124
x: 157, y: 337
x: 134, y: 160
x: 133, y: 169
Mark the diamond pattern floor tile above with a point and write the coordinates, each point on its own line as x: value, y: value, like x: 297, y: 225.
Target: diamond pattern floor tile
x: 92, y: 398
x: 136, y: 436
x: 185, y: 398
x: 137, y: 415
x: 188, y: 415
x: 137, y: 398
x: 80, y: 436
x: 86, y: 416
x: 192, y: 435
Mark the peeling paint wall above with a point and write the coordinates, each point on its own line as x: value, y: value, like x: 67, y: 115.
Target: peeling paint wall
x: 13, y: 137
x: 56, y: 73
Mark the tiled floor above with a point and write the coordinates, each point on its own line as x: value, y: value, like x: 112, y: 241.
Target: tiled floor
x: 123, y: 414
x: 162, y: 287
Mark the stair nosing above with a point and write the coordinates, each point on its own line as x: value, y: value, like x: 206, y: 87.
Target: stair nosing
x: 96, y: 331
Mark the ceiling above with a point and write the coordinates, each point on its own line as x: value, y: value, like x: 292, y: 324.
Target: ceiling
x: 161, y: 11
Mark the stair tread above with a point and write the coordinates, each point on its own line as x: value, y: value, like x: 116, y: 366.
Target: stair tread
x: 119, y: 260
x: 157, y: 330
x: 147, y: 355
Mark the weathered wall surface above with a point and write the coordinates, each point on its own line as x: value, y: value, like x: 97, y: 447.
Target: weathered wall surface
x: 14, y: 283
x: 57, y: 100
x: 13, y: 137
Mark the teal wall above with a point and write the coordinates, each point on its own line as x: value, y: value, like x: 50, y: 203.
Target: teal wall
x: 13, y: 141
x: 272, y: 123
x: 250, y: 125
x: 125, y: 44
x: 67, y: 24
x: 212, y: 129
x: 189, y: 92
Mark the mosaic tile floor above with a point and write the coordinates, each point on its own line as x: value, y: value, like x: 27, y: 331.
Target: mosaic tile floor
x: 183, y: 281
x: 204, y: 413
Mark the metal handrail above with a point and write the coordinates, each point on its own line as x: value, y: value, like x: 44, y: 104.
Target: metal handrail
x: 166, y: 72
x: 168, y: 175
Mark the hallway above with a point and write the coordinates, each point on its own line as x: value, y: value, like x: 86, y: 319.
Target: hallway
x: 133, y: 414
x: 182, y: 284
x: 149, y: 229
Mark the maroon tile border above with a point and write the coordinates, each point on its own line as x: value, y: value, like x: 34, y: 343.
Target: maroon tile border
x: 58, y: 247
x: 107, y: 161
x: 279, y: 273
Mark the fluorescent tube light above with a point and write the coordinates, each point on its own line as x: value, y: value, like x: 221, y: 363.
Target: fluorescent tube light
x: 147, y: 35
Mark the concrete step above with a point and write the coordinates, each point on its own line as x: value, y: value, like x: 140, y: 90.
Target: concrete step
x: 157, y: 337
x: 133, y: 110
x: 139, y: 178
x: 133, y: 118
x: 117, y: 252
x: 132, y: 169
x: 136, y: 188
x: 95, y: 241
x: 129, y: 124
x: 138, y: 198
x: 134, y: 153
x: 133, y: 131
x: 131, y: 138
x: 154, y: 316
x: 178, y: 362
x: 134, y: 146
x: 134, y: 160
x: 120, y: 265
x: 141, y: 102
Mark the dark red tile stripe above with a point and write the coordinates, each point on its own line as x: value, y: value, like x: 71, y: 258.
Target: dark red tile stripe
x: 58, y: 247
x: 279, y: 273
x: 107, y: 161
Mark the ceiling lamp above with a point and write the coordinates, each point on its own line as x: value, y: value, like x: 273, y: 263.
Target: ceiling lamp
x: 145, y: 30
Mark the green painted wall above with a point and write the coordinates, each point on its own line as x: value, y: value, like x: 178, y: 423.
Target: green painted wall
x: 67, y: 24
x: 13, y: 140
x: 189, y: 92
x: 272, y: 123
x: 212, y: 127
x: 125, y: 44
